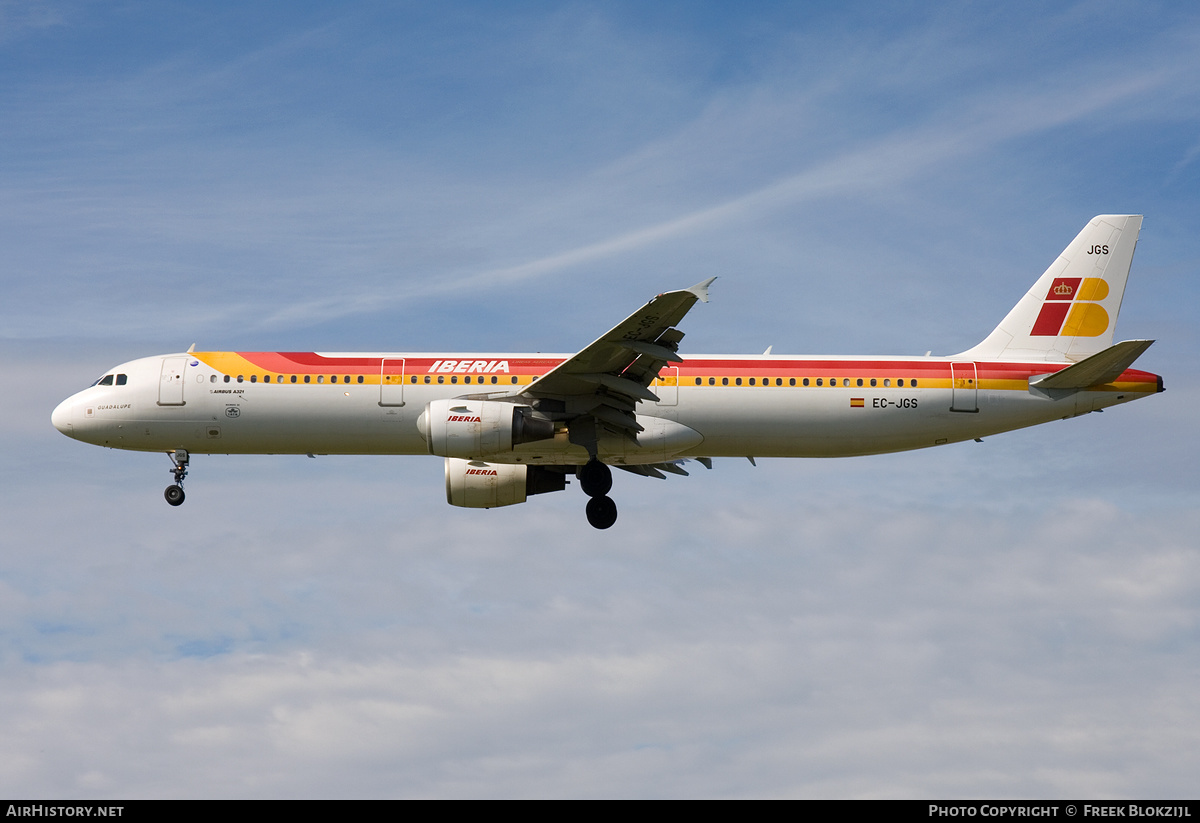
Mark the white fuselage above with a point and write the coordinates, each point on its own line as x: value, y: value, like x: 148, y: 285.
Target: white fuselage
x: 709, y: 405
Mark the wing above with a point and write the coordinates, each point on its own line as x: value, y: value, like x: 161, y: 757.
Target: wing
x: 598, y: 389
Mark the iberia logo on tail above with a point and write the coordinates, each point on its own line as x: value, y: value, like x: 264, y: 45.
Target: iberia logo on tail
x: 1071, y: 309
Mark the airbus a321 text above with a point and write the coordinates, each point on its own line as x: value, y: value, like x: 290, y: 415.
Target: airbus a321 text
x: 514, y: 425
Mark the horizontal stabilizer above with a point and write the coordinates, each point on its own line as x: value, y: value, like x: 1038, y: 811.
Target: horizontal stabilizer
x: 1101, y: 368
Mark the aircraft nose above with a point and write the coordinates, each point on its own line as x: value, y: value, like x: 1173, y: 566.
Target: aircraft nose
x: 61, y: 417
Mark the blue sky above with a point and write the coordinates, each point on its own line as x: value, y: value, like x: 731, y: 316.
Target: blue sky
x: 1017, y: 618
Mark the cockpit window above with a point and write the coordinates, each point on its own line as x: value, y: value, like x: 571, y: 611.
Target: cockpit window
x: 122, y: 379
x: 106, y: 380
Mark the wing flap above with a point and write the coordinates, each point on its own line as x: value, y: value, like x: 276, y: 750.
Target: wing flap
x: 656, y: 469
x: 625, y: 421
x: 619, y: 384
x: 653, y: 350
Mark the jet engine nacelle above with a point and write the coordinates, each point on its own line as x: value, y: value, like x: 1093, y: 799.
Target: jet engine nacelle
x: 474, y: 484
x: 475, y: 428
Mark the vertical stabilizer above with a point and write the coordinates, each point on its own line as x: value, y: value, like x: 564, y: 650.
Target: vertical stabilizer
x: 1071, y: 312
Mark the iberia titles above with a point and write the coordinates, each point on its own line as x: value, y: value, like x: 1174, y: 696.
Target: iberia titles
x: 469, y: 366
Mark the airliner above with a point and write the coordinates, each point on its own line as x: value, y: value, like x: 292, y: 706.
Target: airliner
x: 514, y: 425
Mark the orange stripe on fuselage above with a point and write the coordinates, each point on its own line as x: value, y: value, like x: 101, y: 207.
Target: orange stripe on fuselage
x: 930, y: 374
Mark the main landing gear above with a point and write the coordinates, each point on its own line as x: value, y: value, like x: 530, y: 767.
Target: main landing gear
x: 174, y: 493
x: 595, y: 478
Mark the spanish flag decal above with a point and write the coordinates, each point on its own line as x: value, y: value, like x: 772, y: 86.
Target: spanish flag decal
x: 856, y: 402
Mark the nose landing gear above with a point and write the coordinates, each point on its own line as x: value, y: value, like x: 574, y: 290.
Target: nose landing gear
x: 174, y: 493
x: 595, y: 478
